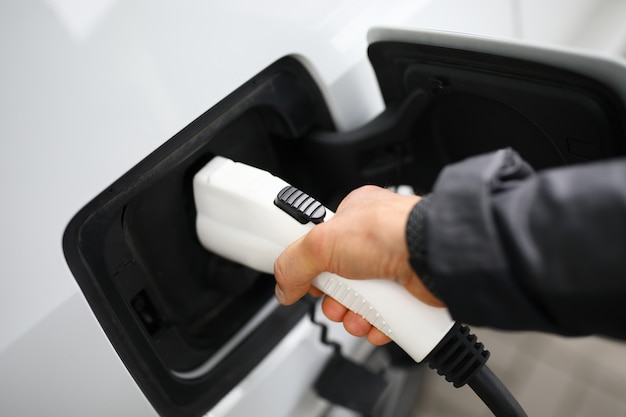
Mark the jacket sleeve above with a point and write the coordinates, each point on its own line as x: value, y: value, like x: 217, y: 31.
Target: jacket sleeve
x: 512, y: 249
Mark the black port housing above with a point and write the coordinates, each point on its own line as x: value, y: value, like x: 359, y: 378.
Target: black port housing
x: 167, y: 304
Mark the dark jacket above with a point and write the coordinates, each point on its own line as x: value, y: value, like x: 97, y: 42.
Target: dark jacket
x: 512, y: 249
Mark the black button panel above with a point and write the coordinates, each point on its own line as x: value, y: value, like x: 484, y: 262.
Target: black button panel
x: 300, y: 205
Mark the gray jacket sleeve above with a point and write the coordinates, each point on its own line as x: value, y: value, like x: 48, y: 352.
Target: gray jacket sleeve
x: 512, y: 249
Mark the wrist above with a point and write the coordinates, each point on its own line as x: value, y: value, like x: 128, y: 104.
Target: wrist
x: 416, y: 237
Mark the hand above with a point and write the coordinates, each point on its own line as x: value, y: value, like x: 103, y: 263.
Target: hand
x: 364, y: 239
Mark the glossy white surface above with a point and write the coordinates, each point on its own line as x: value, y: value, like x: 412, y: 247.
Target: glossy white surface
x: 91, y: 87
x: 64, y: 366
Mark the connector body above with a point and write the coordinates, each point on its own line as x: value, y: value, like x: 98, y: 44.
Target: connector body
x: 239, y: 220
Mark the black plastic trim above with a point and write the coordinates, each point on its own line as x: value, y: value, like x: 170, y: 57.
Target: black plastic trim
x: 443, y: 105
x: 134, y: 245
x: 552, y: 116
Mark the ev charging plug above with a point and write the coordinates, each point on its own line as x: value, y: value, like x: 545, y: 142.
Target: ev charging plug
x: 249, y: 216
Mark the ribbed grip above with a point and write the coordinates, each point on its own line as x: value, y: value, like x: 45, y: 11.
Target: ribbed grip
x: 343, y: 291
x: 415, y: 326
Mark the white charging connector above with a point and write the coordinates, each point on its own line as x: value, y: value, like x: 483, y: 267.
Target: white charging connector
x: 239, y: 218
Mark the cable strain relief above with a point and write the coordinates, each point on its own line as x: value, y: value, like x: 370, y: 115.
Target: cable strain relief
x: 458, y: 356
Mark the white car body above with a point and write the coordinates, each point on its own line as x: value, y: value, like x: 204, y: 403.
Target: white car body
x: 91, y: 88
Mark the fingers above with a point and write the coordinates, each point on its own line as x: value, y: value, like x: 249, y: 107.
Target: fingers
x: 352, y: 322
x: 333, y: 309
x: 377, y: 338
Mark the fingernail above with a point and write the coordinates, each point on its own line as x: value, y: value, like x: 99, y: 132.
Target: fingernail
x: 280, y: 295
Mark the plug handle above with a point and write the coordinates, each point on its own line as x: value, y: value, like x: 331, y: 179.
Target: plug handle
x: 250, y: 216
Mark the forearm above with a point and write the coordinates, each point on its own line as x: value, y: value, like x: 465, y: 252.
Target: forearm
x: 514, y: 250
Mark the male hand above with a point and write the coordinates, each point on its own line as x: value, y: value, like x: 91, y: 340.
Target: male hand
x: 366, y: 238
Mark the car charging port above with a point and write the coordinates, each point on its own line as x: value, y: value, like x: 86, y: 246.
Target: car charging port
x: 188, y: 324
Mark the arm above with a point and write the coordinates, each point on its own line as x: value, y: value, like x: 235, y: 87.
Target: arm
x: 511, y: 249
x: 504, y: 247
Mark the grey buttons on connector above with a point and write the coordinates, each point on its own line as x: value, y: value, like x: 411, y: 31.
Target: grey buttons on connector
x: 300, y: 205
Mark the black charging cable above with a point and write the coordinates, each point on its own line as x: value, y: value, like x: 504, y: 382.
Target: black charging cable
x: 461, y: 359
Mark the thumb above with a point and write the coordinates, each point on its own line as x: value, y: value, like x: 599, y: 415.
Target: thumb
x: 294, y: 270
